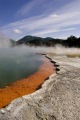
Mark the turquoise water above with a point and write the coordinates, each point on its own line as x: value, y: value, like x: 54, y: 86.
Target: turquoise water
x: 17, y: 63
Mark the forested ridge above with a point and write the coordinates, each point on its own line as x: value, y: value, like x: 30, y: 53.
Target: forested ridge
x: 71, y: 41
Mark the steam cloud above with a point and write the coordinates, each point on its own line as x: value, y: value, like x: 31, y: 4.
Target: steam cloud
x: 4, y: 41
x: 60, y: 50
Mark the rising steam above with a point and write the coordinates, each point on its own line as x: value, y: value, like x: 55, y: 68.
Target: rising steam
x: 4, y: 41
x: 61, y: 50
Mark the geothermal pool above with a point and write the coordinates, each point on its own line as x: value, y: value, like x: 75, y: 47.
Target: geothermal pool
x: 17, y: 63
x: 22, y: 71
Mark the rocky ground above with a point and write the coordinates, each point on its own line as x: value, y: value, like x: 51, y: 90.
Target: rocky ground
x: 58, y: 99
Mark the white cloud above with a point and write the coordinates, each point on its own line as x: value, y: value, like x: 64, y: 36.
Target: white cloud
x: 17, y: 31
x: 25, y: 9
x: 44, y: 32
x: 54, y: 15
x: 72, y: 6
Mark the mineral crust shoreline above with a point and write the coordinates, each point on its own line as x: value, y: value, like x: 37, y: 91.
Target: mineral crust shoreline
x: 58, y: 99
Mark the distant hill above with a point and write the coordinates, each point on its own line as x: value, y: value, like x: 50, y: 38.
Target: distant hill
x: 71, y: 41
x: 28, y: 39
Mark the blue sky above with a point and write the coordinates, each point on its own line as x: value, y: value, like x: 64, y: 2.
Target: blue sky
x: 44, y: 18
